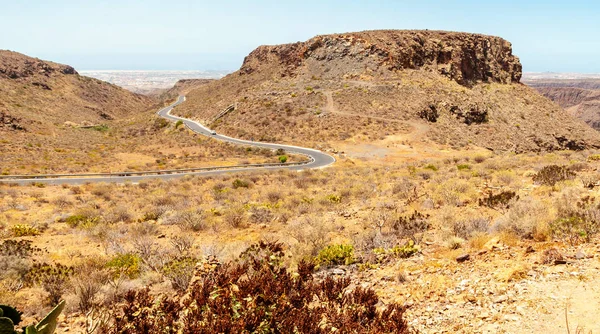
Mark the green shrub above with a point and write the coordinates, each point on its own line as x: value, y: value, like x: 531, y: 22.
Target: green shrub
x: 336, y: 255
x: 75, y: 220
x: 403, y: 252
x: 463, y: 167
x: 333, y: 198
x: 125, y: 264
x: 24, y: 230
x: 594, y: 157
x: 180, y: 272
x: 431, y: 167
x: 178, y: 124
x: 237, y: 183
x: 283, y: 159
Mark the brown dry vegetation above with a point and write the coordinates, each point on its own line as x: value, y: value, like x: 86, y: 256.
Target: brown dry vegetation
x: 372, y: 209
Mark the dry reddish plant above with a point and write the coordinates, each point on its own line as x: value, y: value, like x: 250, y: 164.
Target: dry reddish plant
x: 257, y: 293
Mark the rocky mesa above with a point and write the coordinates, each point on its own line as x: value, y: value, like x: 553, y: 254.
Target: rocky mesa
x: 389, y: 87
x: 462, y: 57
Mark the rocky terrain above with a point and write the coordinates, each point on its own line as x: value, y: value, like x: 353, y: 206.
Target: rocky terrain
x: 579, y: 97
x: 449, y: 89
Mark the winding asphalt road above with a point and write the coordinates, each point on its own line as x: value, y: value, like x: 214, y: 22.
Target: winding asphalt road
x: 318, y: 159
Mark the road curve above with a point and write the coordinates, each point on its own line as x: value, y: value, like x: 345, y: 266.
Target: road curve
x: 318, y: 159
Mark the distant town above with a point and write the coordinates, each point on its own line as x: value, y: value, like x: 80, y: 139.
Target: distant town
x: 145, y: 82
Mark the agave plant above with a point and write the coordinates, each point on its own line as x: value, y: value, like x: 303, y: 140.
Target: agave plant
x: 10, y: 317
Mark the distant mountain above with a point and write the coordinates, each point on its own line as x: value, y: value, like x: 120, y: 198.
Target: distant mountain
x: 580, y: 97
x: 456, y: 89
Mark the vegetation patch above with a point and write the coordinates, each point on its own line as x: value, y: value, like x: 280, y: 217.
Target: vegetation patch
x: 336, y: 255
x: 552, y: 174
x: 257, y: 294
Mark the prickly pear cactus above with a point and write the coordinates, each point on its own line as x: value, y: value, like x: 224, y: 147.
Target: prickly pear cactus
x: 11, y: 313
x: 6, y: 326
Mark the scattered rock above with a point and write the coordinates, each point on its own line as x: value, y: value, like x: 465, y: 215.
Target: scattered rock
x: 337, y: 271
x: 463, y: 258
x: 492, y: 244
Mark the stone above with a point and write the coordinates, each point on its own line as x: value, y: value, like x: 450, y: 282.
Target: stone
x: 337, y: 271
x: 463, y: 258
x: 492, y: 244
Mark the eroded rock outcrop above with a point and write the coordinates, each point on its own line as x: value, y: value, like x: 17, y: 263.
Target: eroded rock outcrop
x: 9, y: 122
x: 463, y: 57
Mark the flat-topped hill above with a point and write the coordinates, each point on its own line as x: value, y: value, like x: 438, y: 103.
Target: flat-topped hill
x: 389, y: 87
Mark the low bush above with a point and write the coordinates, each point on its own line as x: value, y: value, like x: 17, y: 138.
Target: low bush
x: 53, y: 278
x: 125, y: 264
x: 336, y: 255
x: 403, y: 252
x: 500, y: 201
x: 550, y: 175
x: 257, y: 294
x: 283, y: 159
x: 23, y: 230
x: 21, y: 248
x: 525, y: 219
x: 412, y: 226
x: 578, y: 221
x: 465, y: 229
x: 180, y: 272
x: 237, y: 183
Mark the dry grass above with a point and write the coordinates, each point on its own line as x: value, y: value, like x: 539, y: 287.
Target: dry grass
x: 348, y: 204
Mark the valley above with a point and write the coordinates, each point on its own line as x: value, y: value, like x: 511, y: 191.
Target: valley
x: 443, y: 193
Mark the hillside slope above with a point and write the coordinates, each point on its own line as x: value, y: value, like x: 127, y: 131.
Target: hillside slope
x: 53, y: 120
x: 446, y: 88
x: 43, y: 94
x: 580, y: 97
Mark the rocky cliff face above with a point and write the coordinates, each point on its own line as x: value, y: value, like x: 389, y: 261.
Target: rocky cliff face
x: 462, y: 57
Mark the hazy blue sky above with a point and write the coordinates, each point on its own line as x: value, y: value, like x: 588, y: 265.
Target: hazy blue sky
x: 178, y: 34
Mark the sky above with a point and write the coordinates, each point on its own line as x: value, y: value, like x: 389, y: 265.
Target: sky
x: 548, y: 36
